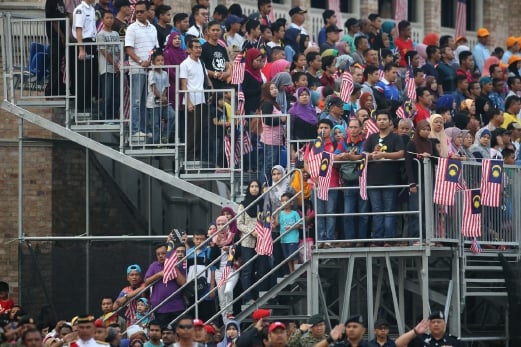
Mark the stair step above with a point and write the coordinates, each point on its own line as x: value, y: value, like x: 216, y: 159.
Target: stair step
x: 484, y: 280
x: 483, y: 268
x: 485, y: 294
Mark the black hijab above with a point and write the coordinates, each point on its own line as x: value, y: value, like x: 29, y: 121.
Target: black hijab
x: 248, y: 199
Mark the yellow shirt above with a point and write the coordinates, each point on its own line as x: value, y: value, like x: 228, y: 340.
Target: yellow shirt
x: 507, y: 119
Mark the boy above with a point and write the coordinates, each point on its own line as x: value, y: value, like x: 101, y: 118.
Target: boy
x: 108, y: 67
x: 289, y: 221
x: 158, y: 105
x: 6, y: 303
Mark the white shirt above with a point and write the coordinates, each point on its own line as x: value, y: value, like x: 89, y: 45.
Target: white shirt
x: 301, y: 28
x: 84, y: 17
x: 160, y: 80
x: 193, y: 72
x: 91, y: 343
x: 195, y: 31
x: 103, y: 65
x: 143, y: 38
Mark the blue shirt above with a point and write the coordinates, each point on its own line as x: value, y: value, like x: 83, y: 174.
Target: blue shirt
x: 390, y: 90
x: 497, y: 100
x: 287, y: 219
x: 480, y: 53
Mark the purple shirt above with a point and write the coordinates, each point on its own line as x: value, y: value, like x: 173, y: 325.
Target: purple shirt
x: 161, y: 291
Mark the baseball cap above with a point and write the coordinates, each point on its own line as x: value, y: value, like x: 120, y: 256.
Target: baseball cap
x: 333, y: 28
x: 276, y: 325
x: 232, y: 19
x: 296, y: 10
x: 198, y: 323
x: 335, y: 101
x: 133, y: 267
x: 511, y: 41
x: 461, y: 38
x: 209, y: 329
x: 482, y: 32
x: 315, y: 319
x: 260, y: 313
x: 437, y: 315
x: 355, y: 319
x: 380, y: 322
x: 513, y: 59
x: 514, y: 125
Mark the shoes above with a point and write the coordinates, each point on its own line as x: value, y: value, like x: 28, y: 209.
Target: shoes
x: 250, y: 302
x: 139, y: 134
x: 149, y: 135
x: 230, y: 316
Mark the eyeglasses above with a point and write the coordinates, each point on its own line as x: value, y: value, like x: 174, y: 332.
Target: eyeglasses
x: 182, y: 326
x: 140, y: 11
x: 203, y: 13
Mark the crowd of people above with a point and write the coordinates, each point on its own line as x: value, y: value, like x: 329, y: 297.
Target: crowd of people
x: 20, y: 329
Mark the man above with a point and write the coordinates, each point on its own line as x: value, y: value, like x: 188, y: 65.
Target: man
x: 314, y: 60
x: 55, y: 30
x: 383, y: 145
x: 200, y: 14
x: 163, y: 27
x: 326, y: 225
x: 423, y: 105
x: 495, y: 122
x: 371, y: 57
x: 309, y: 334
x: 418, y: 336
x: 160, y: 291
x: 298, y: 19
x: 185, y: 332
x: 262, y: 15
x: 140, y: 40
x: 114, y: 335
x: 192, y: 75
x: 332, y: 36
x: 168, y: 336
x: 381, y: 332
x: 466, y: 65
x: 32, y: 338
x: 277, y: 334
x: 497, y: 97
x: 100, y: 330
x: 86, y: 332
x: 253, y: 337
x: 386, y: 84
x: 86, y: 69
x: 361, y: 44
x: 375, y: 35
x: 70, y: 6
x: 512, y: 108
x: 106, y: 308
x: 514, y: 86
x: 199, y: 331
x: 404, y: 42
x: 215, y: 57
x: 371, y: 77
x: 512, y: 49
x: 433, y: 59
x: 474, y: 90
x: 277, y: 35
x: 205, y: 4
x: 233, y: 38
x: 330, y: 19
x: 515, y: 136
x: 461, y: 91
x: 353, y: 27
x: 121, y: 20
x: 446, y: 72
x: 181, y: 25
x: 353, y: 331
x: 154, y: 335
x: 135, y: 281
x: 329, y: 68
x: 481, y: 52
x: 419, y: 77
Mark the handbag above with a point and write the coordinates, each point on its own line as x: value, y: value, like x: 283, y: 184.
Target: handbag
x: 350, y: 171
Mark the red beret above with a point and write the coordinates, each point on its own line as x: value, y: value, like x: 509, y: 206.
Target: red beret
x: 209, y: 329
x: 260, y: 313
x: 98, y: 323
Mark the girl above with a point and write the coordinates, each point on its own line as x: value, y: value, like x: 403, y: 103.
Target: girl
x: 289, y: 221
x: 252, y: 80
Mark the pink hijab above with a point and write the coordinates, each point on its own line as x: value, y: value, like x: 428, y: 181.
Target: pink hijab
x: 277, y: 66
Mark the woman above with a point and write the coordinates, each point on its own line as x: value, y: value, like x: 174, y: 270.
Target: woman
x: 455, y: 137
x: 432, y: 85
x: 224, y: 252
x: 467, y: 142
x: 514, y: 64
x: 291, y: 43
x: 438, y: 133
x: 284, y: 85
x: 367, y: 101
x: 303, y: 117
x: 481, y: 147
x: 248, y: 210
x: 232, y: 331
x: 280, y: 65
x: 389, y: 28
x: 229, y: 213
x: 418, y: 148
x: 299, y: 63
x: 173, y: 55
x: 252, y: 83
x: 272, y: 136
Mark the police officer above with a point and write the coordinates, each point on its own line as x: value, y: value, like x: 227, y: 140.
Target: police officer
x: 84, y: 31
x: 309, y: 334
x: 349, y: 335
x: 438, y: 336
x: 86, y: 331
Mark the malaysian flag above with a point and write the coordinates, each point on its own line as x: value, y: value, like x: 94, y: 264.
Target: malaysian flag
x: 380, y: 66
x: 324, y: 175
x: 491, y: 182
x: 400, y: 11
x: 371, y: 127
x: 362, y: 180
x: 475, y: 247
x: 471, y: 221
x: 447, y: 178
x: 169, y: 271
x: 240, y: 102
x: 461, y: 18
x: 347, y: 87
x: 410, y: 86
x: 242, y: 138
x: 264, y: 244
x: 314, y: 157
x: 227, y: 269
x: 400, y: 112
x: 238, y: 69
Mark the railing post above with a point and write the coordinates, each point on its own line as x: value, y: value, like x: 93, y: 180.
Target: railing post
x: 428, y: 196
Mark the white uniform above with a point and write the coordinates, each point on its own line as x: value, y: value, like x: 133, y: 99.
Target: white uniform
x: 84, y: 17
x: 90, y: 343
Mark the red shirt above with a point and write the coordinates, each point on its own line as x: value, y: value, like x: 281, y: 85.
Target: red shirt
x: 403, y: 47
x: 335, y: 176
x: 6, y: 305
x: 421, y: 114
x: 468, y: 74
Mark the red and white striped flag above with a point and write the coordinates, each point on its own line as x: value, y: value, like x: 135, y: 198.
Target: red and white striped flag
x: 410, y: 86
x: 447, y: 179
x: 475, y: 247
x: 400, y: 12
x: 371, y: 127
x: 240, y: 102
x: 238, y: 69
x: 471, y: 221
x: 400, y: 113
x: 491, y: 182
x: 169, y: 271
x: 314, y: 156
x: 242, y: 138
x: 324, y: 176
x: 347, y: 87
x: 227, y: 269
x: 335, y: 6
x: 461, y: 18
x: 362, y: 180
x: 264, y: 244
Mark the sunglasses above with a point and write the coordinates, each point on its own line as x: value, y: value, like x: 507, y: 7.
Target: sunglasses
x: 182, y: 326
x: 140, y: 11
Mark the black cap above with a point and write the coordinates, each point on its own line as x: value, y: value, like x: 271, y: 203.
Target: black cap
x: 168, y: 327
x: 120, y: 3
x: 386, y: 52
x: 437, y: 315
x: 296, y: 10
x: 356, y: 319
x: 514, y: 125
x: 333, y: 28
x: 335, y: 101
x: 26, y: 320
x: 315, y: 319
x: 380, y: 322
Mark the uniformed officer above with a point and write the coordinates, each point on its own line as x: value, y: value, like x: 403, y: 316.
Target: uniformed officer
x: 349, y: 335
x: 86, y: 333
x: 438, y: 336
x: 309, y: 334
x: 84, y: 31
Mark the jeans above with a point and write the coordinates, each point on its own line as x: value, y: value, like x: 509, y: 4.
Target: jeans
x: 247, y: 272
x: 138, y: 99
x: 154, y: 122
x: 353, y: 203
x: 413, y: 220
x: 271, y: 158
x: 110, y: 87
x: 326, y: 225
x: 226, y: 293
x: 383, y: 200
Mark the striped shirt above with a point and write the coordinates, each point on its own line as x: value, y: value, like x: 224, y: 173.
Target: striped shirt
x: 143, y: 38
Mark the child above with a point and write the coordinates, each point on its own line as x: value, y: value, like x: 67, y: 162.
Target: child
x: 158, y: 105
x: 221, y: 129
x: 289, y: 222
x: 6, y: 304
x: 108, y: 67
x: 142, y: 311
